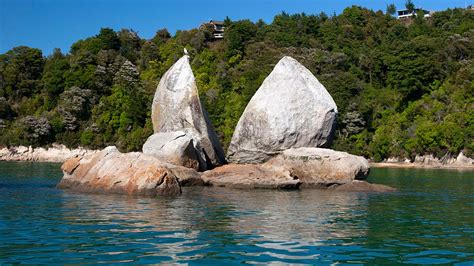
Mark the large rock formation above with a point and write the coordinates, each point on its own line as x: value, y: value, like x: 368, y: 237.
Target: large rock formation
x: 317, y: 167
x: 110, y: 171
x: 176, y: 107
x: 291, y: 109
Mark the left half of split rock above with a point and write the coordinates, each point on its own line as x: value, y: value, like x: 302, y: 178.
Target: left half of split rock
x: 181, y: 124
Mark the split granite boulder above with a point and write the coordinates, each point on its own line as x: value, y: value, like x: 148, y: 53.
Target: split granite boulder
x: 291, y: 109
x: 287, y: 119
x: 176, y: 108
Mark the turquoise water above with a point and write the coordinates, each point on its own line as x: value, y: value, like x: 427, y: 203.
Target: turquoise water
x: 430, y: 221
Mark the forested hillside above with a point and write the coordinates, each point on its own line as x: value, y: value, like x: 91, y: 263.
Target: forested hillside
x: 402, y: 88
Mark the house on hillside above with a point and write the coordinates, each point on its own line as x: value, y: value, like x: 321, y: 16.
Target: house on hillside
x: 217, y: 28
x: 406, y: 14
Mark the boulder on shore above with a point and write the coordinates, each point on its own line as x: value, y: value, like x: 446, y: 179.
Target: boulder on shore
x: 176, y: 148
x: 291, y: 109
x: 134, y: 173
x: 463, y: 160
x: 318, y: 167
x: 176, y: 107
x: 249, y: 176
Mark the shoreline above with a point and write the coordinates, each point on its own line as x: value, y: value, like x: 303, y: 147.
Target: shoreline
x: 56, y: 153
x: 59, y: 153
x: 452, y: 166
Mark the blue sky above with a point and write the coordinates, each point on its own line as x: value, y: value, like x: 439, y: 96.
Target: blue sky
x: 47, y: 24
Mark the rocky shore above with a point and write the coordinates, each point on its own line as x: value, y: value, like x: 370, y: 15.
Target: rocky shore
x: 279, y: 143
x: 57, y: 153
x: 428, y: 161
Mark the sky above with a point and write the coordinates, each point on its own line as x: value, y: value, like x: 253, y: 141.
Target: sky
x: 49, y: 24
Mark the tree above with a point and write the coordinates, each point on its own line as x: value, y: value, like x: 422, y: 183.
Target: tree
x: 401, y: 89
x: 352, y: 123
x: 108, y: 39
x: 53, y: 79
x: 21, y: 71
x: 410, y: 6
x: 238, y: 34
x: 391, y: 9
x: 35, y: 130
x: 74, y: 106
x: 130, y: 44
x: 120, y: 113
x: 161, y: 37
x: 5, y: 110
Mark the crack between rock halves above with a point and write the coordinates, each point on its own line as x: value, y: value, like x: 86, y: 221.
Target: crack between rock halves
x: 180, y: 136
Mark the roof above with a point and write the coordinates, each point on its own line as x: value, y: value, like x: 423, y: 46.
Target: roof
x: 216, y: 22
x: 416, y: 8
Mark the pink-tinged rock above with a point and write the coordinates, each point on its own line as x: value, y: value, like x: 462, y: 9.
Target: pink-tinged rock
x: 110, y: 171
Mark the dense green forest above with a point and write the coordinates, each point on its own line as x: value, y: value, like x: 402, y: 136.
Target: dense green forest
x: 402, y: 87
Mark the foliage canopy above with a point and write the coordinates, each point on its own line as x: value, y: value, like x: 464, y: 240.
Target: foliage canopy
x: 402, y: 88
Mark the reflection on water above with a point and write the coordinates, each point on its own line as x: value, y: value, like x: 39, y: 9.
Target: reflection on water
x: 430, y: 221
x: 215, y: 223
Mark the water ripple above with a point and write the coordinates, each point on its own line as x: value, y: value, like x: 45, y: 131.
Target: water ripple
x: 42, y: 225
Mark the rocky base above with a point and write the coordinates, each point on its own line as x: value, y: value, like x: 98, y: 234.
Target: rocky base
x: 317, y: 167
x: 250, y: 176
x: 135, y: 173
x: 110, y: 171
x: 298, y: 168
x: 57, y: 153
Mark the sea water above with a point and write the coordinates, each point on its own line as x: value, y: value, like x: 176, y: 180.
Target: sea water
x: 430, y: 220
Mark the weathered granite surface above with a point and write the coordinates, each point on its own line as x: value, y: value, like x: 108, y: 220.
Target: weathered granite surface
x: 293, y: 168
x: 318, y: 167
x: 110, y: 171
x: 291, y: 109
x: 175, y: 147
x: 135, y: 173
x: 176, y: 107
x: 250, y: 176
x: 287, y: 119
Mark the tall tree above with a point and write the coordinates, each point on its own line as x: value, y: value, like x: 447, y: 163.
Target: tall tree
x: 410, y: 6
x: 21, y: 71
x: 391, y: 9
